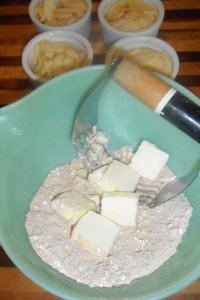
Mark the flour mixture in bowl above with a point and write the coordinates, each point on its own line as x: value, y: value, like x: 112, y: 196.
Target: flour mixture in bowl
x: 76, y: 223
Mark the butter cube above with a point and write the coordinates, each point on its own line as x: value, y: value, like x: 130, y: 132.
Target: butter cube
x: 116, y: 176
x: 119, y: 177
x: 95, y: 233
x: 95, y: 179
x: 71, y: 206
x: 120, y: 207
x: 148, y: 160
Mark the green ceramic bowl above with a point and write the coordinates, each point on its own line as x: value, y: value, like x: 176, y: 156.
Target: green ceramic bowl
x: 35, y: 138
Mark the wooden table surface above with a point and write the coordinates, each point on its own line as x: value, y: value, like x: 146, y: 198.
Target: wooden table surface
x: 181, y: 29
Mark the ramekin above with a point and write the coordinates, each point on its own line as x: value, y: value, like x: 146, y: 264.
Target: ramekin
x: 155, y: 43
x: 111, y: 34
x: 74, y: 38
x: 83, y: 26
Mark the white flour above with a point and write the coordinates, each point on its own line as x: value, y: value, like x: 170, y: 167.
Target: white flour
x: 136, y: 252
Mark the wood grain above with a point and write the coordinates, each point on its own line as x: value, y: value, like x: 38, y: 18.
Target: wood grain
x: 180, y: 28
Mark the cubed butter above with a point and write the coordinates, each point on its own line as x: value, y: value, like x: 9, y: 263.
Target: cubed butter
x: 120, y: 177
x: 95, y: 233
x: 95, y: 179
x: 120, y: 207
x: 148, y: 160
x: 116, y: 176
x: 71, y: 206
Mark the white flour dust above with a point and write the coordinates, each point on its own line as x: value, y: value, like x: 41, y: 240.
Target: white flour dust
x: 136, y: 252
